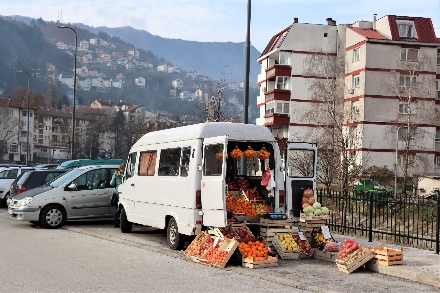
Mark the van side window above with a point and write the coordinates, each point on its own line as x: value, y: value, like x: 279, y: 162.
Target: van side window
x: 147, y: 163
x: 212, y: 166
x: 169, y: 162
x: 130, y: 166
x: 184, y: 164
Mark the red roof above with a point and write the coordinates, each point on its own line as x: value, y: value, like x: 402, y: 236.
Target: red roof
x: 370, y: 34
x: 132, y: 108
x: 276, y: 41
x: 424, y: 28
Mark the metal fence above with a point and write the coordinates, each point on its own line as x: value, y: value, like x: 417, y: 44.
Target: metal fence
x: 405, y: 220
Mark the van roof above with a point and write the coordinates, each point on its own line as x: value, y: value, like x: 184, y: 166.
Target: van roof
x: 235, y: 131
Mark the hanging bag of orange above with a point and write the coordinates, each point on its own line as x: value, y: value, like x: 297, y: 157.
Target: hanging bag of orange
x: 249, y: 153
x: 236, y: 153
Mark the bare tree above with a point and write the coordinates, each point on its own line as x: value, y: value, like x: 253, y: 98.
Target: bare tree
x: 336, y: 134
x: 409, y: 84
x: 7, y: 134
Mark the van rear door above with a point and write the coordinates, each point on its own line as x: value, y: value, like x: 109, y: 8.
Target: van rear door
x: 213, y: 192
x: 301, y: 160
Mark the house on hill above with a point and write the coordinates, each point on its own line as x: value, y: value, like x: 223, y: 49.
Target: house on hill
x: 162, y: 67
x: 140, y: 81
x: 133, y: 52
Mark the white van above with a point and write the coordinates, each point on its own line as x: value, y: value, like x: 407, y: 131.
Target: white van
x: 176, y: 178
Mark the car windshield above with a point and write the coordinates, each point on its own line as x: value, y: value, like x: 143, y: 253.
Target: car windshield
x: 22, y: 178
x: 10, y: 174
x: 65, y: 177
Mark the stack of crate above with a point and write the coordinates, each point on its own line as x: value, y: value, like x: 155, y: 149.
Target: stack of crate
x: 268, y: 228
x: 306, y: 226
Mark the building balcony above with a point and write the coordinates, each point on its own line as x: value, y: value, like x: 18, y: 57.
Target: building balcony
x: 278, y: 70
x: 278, y: 95
x: 275, y: 119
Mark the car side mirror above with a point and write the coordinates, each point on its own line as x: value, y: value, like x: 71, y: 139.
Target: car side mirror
x: 72, y: 186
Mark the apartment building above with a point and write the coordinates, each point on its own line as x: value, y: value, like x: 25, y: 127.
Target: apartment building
x: 14, y: 130
x: 390, y: 80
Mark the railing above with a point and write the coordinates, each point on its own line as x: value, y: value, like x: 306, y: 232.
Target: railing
x: 407, y: 220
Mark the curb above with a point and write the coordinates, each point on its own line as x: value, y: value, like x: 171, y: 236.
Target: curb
x: 179, y: 255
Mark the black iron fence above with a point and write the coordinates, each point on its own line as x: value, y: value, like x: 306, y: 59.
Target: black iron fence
x: 405, y: 220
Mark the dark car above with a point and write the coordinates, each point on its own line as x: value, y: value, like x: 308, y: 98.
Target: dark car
x: 33, y: 179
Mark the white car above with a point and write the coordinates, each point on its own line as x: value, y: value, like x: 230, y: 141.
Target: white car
x: 81, y: 193
x: 7, y: 176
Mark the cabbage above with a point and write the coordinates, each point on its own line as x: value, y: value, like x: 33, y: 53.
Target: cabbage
x: 325, y: 211
x: 317, y: 212
x: 316, y: 205
x: 308, y: 210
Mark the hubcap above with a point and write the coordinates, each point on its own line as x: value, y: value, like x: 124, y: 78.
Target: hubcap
x: 173, y: 232
x: 54, y: 217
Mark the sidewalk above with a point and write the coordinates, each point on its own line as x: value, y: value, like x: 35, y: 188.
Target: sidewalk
x: 419, y: 265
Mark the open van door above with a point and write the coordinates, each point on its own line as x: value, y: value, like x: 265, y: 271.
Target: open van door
x: 213, y: 193
x: 300, y: 164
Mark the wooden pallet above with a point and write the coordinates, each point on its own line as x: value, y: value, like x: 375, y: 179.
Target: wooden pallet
x: 387, y: 256
x: 253, y: 264
x: 354, y: 265
x: 326, y: 256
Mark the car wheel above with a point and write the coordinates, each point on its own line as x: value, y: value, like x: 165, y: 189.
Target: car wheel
x: 52, y: 217
x: 174, y: 238
x: 125, y: 224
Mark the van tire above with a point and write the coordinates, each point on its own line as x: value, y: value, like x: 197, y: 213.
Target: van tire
x: 174, y: 238
x: 52, y: 217
x: 125, y: 224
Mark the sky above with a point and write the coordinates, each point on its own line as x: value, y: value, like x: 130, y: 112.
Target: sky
x: 216, y: 20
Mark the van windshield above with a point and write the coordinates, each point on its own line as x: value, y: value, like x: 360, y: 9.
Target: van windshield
x: 65, y: 177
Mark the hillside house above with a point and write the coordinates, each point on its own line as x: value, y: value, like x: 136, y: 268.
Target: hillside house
x: 140, y: 81
x: 177, y: 83
x: 82, y: 71
x: 130, y: 66
x: 94, y: 41
x: 133, y: 52
x: 118, y: 84
x: 192, y: 74
x: 162, y: 67
x: 61, y: 46
x: 85, y: 83
x: 83, y: 45
x: 174, y: 69
x: 97, y: 82
x: 120, y: 76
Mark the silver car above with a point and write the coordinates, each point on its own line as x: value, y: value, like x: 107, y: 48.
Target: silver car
x: 82, y: 193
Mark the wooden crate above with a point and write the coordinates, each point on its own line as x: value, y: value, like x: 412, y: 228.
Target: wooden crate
x: 268, y: 229
x: 243, y: 194
x: 282, y: 252
x: 310, y: 224
x: 326, y: 256
x: 228, y: 245
x: 354, y: 265
x: 203, y: 236
x: 387, y: 256
x: 253, y: 264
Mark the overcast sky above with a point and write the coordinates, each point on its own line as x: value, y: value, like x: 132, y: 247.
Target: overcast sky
x: 216, y: 20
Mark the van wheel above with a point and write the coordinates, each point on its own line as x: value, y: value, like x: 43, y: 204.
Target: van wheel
x: 52, y: 217
x: 174, y: 238
x: 125, y: 224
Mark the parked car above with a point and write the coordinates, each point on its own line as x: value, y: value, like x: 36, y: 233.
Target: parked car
x: 7, y: 176
x: 32, y: 179
x: 81, y: 193
x: 46, y: 166
x: 86, y: 162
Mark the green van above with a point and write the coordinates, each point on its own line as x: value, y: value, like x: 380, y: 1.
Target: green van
x: 87, y: 162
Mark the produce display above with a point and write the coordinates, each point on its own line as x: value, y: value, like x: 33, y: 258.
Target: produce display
x: 260, y: 208
x: 315, y: 209
x: 244, y: 232
x: 239, y: 183
x: 304, y: 246
x: 249, y: 153
x: 331, y: 247
x: 239, y: 206
x: 219, y: 258
x: 347, y: 248
x: 308, y: 198
x: 318, y: 236
x: 229, y: 233
x: 211, y: 254
x: 236, y: 153
x: 355, y: 255
x: 255, y: 250
x: 287, y: 241
x: 253, y: 195
x: 204, y: 248
x: 263, y: 154
x: 191, y: 249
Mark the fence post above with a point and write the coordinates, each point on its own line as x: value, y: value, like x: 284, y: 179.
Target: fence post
x: 437, y: 230
x: 320, y: 196
x: 370, y: 226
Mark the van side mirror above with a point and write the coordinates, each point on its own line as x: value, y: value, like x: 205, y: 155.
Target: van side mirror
x: 72, y: 186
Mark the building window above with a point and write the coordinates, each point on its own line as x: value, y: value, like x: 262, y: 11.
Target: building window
x: 406, y: 30
x: 13, y: 148
x: 282, y: 83
x: 437, y: 161
x: 401, y: 159
x: 409, y: 54
x: 355, y: 107
x: 277, y: 108
x: 437, y: 135
x: 356, y: 54
x: 408, y: 81
x: 30, y: 114
x: 403, y: 133
x: 24, y: 113
x: 405, y: 108
x: 284, y: 58
x: 11, y: 112
x: 356, y: 81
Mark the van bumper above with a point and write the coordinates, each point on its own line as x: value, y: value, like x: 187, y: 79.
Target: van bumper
x: 24, y: 214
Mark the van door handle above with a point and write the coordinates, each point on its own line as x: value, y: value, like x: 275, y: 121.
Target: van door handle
x: 102, y: 193
x: 132, y: 184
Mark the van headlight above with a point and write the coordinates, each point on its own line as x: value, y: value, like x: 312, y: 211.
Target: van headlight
x: 25, y: 201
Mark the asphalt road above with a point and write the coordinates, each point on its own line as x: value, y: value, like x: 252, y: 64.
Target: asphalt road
x: 91, y: 256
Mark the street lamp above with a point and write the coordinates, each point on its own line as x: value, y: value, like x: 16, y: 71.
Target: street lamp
x: 48, y: 155
x: 27, y: 139
x: 74, y: 90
